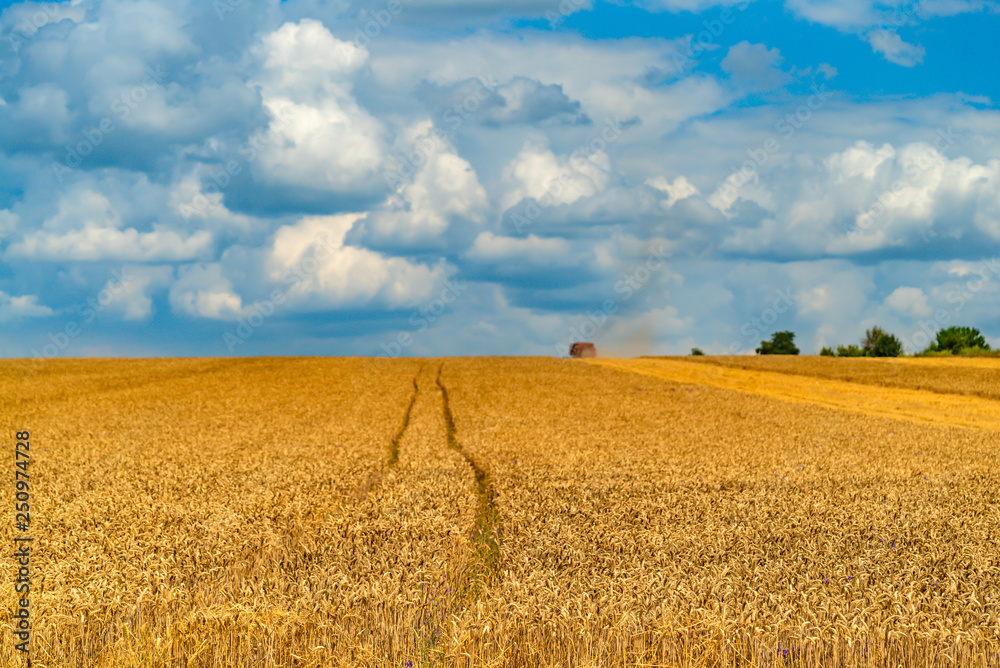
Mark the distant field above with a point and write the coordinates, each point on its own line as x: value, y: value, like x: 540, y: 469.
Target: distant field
x: 818, y: 384
x: 978, y: 376
x: 510, y: 512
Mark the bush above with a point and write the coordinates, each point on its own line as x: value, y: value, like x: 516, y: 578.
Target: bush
x: 977, y: 350
x: 956, y: 339
x: 827, y: 352
x: 696, y: 351
x: 880, y: 343
x: 935, y: 353
x: 850, y: 351
x: 781, y: 343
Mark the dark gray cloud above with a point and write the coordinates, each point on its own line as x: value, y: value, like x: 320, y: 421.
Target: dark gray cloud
x: 518, y: 101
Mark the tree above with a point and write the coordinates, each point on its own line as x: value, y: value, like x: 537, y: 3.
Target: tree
x: 880, y: 343
x: 827, y: 352
x: 696, y: 351
x: 781, y: 343
x: 956, y: 339
x: 850, y: 351
x: 887, y: 346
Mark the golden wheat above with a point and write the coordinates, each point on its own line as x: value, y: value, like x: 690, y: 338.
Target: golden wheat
x: 492, y: 512
x: 649, y: 522
x: 235, y: 513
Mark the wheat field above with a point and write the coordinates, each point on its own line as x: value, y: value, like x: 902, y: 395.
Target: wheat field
x: 508, y: 512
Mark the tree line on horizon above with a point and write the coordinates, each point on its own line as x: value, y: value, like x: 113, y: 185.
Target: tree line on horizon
x: 879, y: 343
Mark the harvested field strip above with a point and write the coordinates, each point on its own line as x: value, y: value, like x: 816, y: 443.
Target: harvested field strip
x: 948, y: 375
x: 903, y: 404
x: 975, y: 362
x: 487, y: 533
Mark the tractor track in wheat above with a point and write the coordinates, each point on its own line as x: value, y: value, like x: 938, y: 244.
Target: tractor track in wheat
x: 394, y: 444
x: 375, y: 479
x: 487, y: 532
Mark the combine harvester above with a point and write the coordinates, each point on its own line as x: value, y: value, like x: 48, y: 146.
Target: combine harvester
x: 582, y: 351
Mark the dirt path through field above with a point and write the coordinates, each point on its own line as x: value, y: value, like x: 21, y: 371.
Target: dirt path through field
x: 903, y: 404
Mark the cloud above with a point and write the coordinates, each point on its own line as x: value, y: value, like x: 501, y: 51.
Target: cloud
x: 677, y: 190
x: 8, y: 223
x: 930, y: 8
x: 42, y: 109
x: 857, y: 15
x: 891, y: 45
x: 87, y: 226
x: 827, y: 70
x: 694, y: 6
x: 236, y: 143
x: 444, y: 191
x: 16, y: 308
x: 491, y: 249
x: 755, y: 66
x: 521, y: 100
x: 528, y: 101
x: 203, y: 291
x: 420, y: 12
x: 323, y: 139
x: 537, y: 171
x: 601, y: 75
x: 908, y: 198
x: 25, y: 20
x: 909, y: 301
x: 878, y: 23
x: 859, y: 161
x: 332, y: 275
x: 121, y: 83
x: 92, y: 243
x: 845, y: 15
x: 132, y: 295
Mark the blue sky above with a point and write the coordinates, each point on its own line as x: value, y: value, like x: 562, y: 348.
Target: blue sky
x: 252, y: 177
x: 957, y: 47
